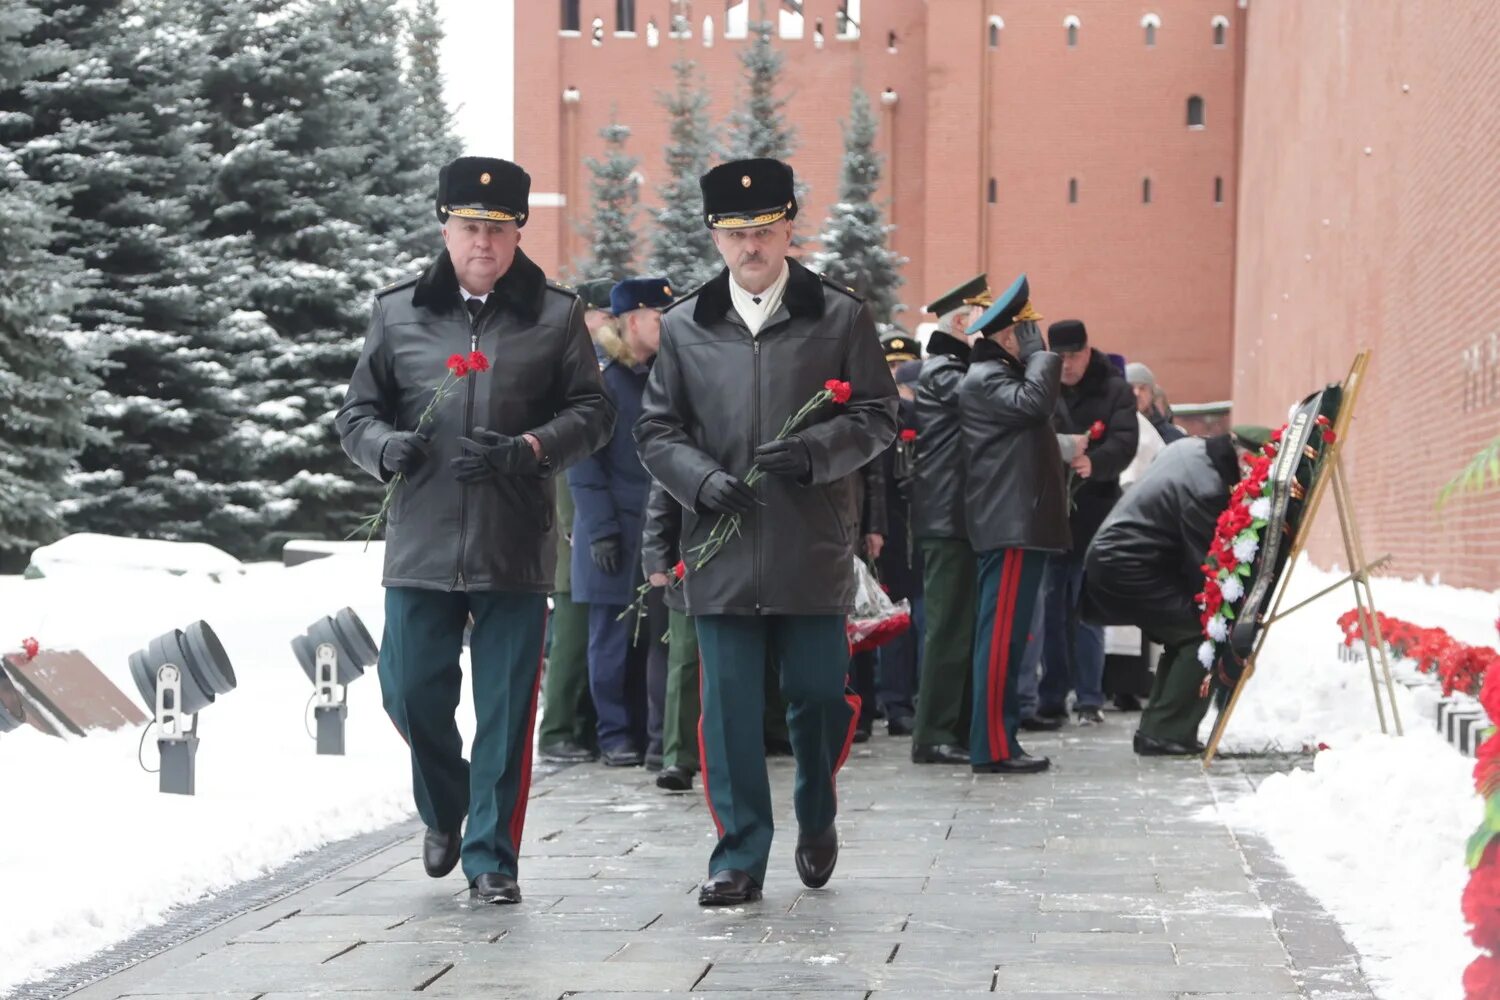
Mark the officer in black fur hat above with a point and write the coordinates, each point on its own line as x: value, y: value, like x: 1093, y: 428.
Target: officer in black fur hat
x: 470, y: 528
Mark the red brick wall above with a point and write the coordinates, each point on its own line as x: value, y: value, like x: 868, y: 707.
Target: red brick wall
x: 1154, y: 282
x: 1369, y: 217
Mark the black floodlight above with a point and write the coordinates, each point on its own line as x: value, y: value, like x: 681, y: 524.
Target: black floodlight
x: 334, y: 652
x: 179, y: 674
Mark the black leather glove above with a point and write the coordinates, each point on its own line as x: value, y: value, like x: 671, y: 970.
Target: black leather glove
x: 787, y: 457
x: 404, y: 451
x: 606, y: 554
x: 490, y: 454
x: 1028, y: 340
x: 724, y: 494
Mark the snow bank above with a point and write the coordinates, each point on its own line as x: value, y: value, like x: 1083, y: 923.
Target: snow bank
x: 82, y: 809
x: 1376, y: 829
x: 86, y: 553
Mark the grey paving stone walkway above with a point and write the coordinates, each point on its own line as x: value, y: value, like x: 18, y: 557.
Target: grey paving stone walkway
x: 1097, y: 880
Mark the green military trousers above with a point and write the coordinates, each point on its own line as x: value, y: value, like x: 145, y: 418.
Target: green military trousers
x: 1176, y: 709
x: 679, y: 730
x: 813, y: 653
x: 420, y: 684
x: 567, y: 706
x: 1010, y: 583
x: 945, y: 685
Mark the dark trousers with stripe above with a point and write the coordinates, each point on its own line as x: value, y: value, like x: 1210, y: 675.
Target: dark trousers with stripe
x: 567, y: 706
x: 679, y: 736
x: 1010, y: 581
x: 420, y: 684
x: 813, y: 653
x: 944, y: 686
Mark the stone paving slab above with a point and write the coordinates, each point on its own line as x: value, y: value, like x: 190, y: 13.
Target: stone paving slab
x: 1094, y: 881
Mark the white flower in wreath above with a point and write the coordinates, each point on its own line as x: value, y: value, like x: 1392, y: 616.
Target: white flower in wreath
x: 1206, y: 655
x: 1260, y: 509
x: 1233, y: 590
x: 1218, y: 629
x: 1245, y: 548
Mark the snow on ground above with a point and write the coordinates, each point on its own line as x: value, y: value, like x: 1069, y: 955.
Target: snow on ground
x: 1376, y: 829
x: 91, y: 851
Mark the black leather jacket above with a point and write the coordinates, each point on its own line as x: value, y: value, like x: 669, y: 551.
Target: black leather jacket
x: 938, y: 478
x: 543, y: 379
x: 717, y: 392
x: 1014, y: 496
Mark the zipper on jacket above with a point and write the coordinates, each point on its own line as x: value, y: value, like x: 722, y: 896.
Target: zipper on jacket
x: 755, y: 433
x: 463, y: 492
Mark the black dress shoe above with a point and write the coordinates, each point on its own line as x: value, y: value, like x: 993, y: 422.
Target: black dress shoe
x: 675, y: 779
x: 1041, y: 724
x: 939, y: 753
x: 861, y: 735
x: 776, y: 747
x: 899, y: 726
x: 653, y: 761
x: 440, y: 852
x: 816, y: 855
x: 729, y: 887
x: 1150, y: 746
x: 1090, y: 717
x: 494, y: 887
x: 624, y: 757
x: 1019, y: 764
x: 1127, y: 703
x: 566, y: 752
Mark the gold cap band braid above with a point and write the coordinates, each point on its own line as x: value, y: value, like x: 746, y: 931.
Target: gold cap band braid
x: 741, y: 221
x: 486, y: 214
x: 1028, y: 313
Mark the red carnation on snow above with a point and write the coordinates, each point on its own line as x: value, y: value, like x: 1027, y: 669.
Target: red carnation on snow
x: 1481, y: 900
x: 478, y: 362
x: 841, y: 391
x: 1482, y: 978
x: 30, y: 647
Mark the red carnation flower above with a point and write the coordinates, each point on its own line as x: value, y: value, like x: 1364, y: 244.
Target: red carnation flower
x: 1481, y: 900
x: 680, y: 570
x: 457, y: 365
x: 1322, y: 420
x: 478, y: 362
x: 1482, y: 978
x: 841, y: 391
x: 1329, y: 437
x: 31, y: 647
x: 1276, y: 434
x: 1096, y: 430
x: 908, y: 435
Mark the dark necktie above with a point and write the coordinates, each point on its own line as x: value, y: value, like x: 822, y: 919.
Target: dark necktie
x: 755, y: 299
x: 474, y: 305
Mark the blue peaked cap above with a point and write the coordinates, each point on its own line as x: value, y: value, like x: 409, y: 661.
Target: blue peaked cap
x: 640, y: 293
x: 1007, y: 306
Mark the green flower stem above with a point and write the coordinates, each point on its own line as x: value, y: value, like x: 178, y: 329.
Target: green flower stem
x: 372, y: 523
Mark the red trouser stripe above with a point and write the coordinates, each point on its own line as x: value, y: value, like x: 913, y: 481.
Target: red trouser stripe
x: 1005, y: 613
x: 523, y: 792
x: 703, y: 756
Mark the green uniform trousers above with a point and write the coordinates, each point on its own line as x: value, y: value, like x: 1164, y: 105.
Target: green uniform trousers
x: 567, y: 706
x: 1176, y: 710
x: 420, y: 684
x: 1010, y: 583
x: 813, y: 652
x: 945, y: 685
x: 679, y: 731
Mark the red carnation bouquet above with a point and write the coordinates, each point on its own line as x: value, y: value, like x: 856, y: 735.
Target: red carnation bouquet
x: 459, y: 367
x: 728, y: 525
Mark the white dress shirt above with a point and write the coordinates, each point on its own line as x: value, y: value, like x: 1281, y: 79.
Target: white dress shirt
x: 755, y: 310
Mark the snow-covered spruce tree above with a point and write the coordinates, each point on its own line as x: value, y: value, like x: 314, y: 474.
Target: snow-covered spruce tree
x: 681, y: 247
x: 854, y: 238
x: 758, y: 126
x: 44, y: 376
x: 305, y: 230
x: 617, y: 197
x: 121, y: 132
